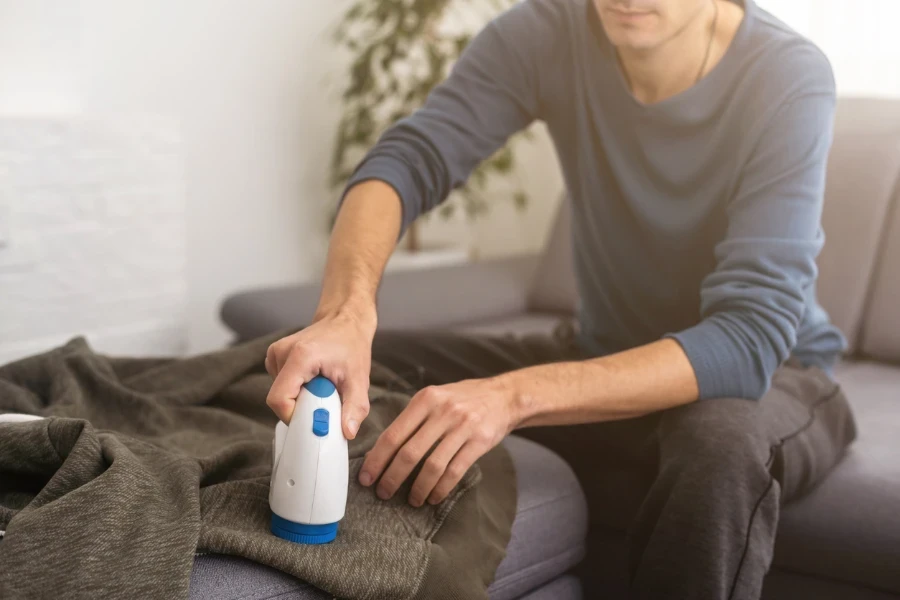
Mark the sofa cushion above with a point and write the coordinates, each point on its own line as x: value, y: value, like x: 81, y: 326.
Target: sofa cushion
x: 567, y: 587
x: 548, y: 537
x: 848, y: 528
x: 549, y: 532
x: 520, y: 324
x: 420, y: 299
x: 220, y: 577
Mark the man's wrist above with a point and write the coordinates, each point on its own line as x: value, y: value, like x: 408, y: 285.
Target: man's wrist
x: 521, y: 399
x: 540, y: 395
x: 361, y: 312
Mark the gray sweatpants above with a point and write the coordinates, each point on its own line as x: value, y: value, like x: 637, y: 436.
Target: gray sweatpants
x: 708, y: 477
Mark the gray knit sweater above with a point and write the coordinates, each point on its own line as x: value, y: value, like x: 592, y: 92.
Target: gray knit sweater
x: 697, y: 217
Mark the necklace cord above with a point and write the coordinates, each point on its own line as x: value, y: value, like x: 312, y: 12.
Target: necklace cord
x: 712, y: 37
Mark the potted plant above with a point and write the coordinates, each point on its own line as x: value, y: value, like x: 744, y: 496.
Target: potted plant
x: 400, y: 50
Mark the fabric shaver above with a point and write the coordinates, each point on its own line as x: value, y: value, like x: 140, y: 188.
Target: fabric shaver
x: 310, y: 471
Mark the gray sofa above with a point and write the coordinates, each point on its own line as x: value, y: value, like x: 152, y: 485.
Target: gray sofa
x: 842, y: 541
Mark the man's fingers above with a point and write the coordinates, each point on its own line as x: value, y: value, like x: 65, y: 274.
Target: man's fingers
x: 355, y: 405
x: 409, y: 455
x: 464, y: 459
x: 282, y: 354
x: 435, y: 465
x: 271, y: 365
x: 282, y: 397
x: 390, y: 441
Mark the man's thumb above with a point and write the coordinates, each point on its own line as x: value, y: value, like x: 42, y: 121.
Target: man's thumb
x: 355, y: 407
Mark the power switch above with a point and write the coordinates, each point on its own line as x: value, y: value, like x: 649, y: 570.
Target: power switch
x: 320, y: 422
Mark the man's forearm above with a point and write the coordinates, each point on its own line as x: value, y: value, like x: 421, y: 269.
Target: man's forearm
x: 620, y: 386
x: 365, y: 233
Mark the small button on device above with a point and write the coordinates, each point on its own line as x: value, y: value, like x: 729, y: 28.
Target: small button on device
x: 320, y: 422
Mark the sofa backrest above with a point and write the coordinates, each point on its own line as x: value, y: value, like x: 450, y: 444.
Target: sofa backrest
x: 553, y: 288
x: 859, y: 278
x: 881, y: 329
x: 861, y: 192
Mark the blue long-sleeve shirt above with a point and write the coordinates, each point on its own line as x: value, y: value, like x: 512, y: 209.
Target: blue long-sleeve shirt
x: 695, y: 218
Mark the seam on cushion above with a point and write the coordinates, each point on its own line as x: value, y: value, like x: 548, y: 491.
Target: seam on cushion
x: 283, y: 594
x: 285, y: 588
x: 812, y: 416
x: 282, y: 588
x: 578, y: 494
x: 519, y: 574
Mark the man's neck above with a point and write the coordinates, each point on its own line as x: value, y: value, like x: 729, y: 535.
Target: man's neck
x: 674, y: 66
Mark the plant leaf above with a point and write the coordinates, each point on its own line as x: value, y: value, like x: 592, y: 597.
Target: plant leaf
x: 520, y: 199
x: 446, y: 211
x: 502, y: 161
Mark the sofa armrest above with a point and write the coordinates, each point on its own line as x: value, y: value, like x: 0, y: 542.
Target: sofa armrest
x: 434, y: 298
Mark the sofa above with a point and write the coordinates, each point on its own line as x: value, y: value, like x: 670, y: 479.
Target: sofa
x: 840, y: 541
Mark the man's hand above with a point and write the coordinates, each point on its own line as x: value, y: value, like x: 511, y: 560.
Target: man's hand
x: 338, y: 347
x: 467, y: 418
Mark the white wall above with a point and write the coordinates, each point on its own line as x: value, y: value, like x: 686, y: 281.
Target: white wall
x: 243, y: 80
x: 94, y: 239
x: 92, y: 227
x: 39, y: 52
x: 247, y: 81
x: 860, y: 38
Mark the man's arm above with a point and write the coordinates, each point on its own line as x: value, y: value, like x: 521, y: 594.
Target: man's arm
x: 753, y: 303
x: 338, y: 343
x: 464, y: 420
x: 629, y: 384
x: 362, y: 240
x: 492, y: 92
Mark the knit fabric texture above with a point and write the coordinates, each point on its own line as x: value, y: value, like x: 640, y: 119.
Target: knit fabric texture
x: 143, y: 462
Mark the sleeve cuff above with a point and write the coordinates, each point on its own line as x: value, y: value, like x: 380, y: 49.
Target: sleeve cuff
x: 722, y: 371
x: 389, y: 171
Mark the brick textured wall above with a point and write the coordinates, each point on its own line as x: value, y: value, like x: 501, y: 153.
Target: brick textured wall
x: 92, y: 235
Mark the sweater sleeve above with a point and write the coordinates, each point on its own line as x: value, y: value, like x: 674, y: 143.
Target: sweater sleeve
x: 753, y: 302
x: 492, y: 92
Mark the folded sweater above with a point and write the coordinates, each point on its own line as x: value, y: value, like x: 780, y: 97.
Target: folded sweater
x: 141, y: 463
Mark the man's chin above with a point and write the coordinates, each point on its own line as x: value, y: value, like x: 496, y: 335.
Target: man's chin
x: 631, y: 39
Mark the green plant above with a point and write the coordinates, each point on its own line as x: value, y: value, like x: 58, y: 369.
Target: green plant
x: 400, y: 50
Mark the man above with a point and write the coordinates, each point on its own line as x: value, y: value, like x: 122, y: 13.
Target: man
x: 693, y: 137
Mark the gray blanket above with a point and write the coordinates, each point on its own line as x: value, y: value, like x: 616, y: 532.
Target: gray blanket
x: 144, y: 462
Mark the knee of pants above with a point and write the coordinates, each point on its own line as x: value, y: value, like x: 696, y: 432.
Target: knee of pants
x: 721, y: 438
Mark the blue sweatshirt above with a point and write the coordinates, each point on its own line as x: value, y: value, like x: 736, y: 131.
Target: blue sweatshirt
x: 696, y: 218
